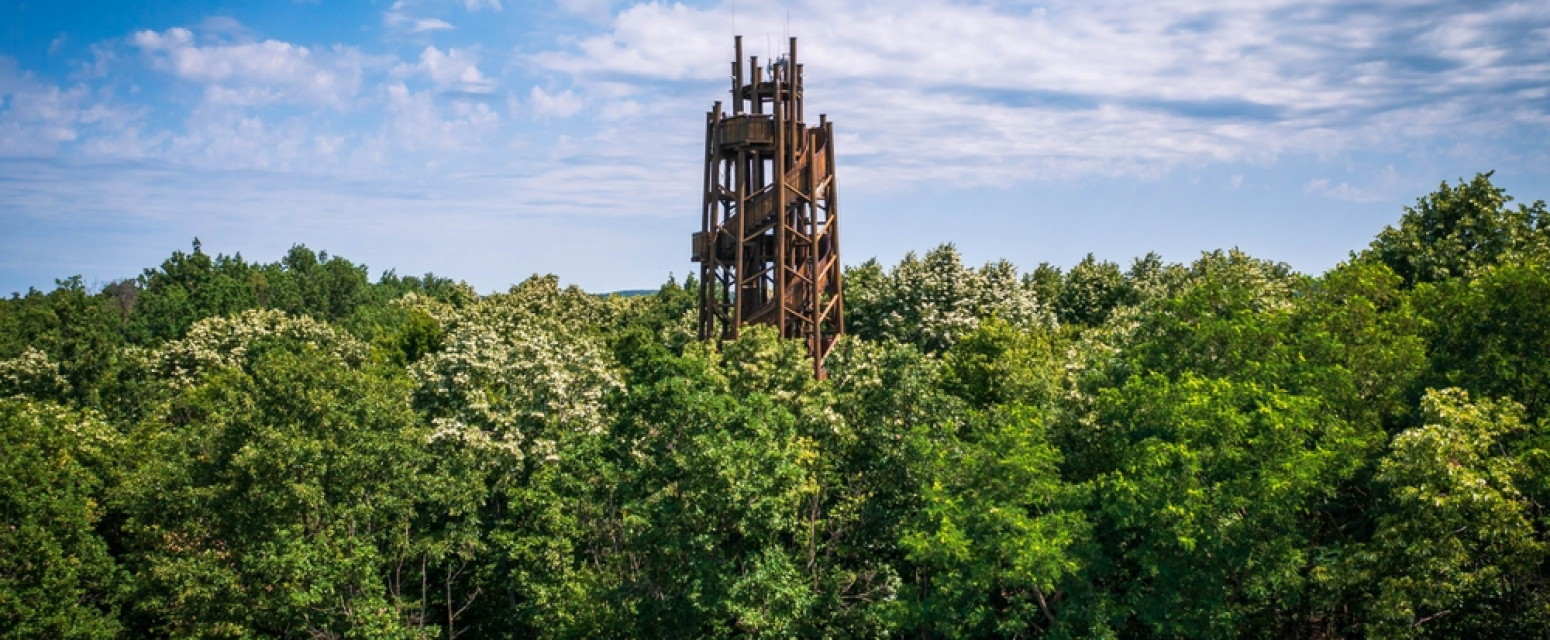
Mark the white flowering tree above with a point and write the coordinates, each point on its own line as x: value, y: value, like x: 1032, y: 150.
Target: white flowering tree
x: 933, y: 302
x: 221, y: 342
x: 517, y: 370
x: 57, y: 577
x: 32, y: 373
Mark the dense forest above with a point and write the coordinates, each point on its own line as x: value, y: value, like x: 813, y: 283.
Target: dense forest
x: 1223, y: 448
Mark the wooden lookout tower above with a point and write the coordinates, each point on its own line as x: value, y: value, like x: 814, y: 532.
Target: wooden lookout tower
x: 769, y: 245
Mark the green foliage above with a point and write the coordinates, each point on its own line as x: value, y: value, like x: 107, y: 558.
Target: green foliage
x: 1455, y: 553
x: 273, y: 494
x: 1224, y: 448
x: 1488, y: 334
x: 74, y: 331
x: 1456, y: 230
x: 994, y: 537
x: 57, y: 578
x: 1091, y: 291
x: 1001, y: 364
x: 188, y: 287
x: 1207, y: 500
x: 705, y: 512
x: 1359, y: 345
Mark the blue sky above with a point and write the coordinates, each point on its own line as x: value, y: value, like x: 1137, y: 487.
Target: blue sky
x: 487, y: 140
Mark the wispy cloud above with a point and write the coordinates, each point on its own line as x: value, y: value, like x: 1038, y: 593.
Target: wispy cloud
x: 560, y: 105
x: 451, y: 70
x: 399, y: 18
x: 997, y: 93
x: 408, y: 15
x: 421, y: 25
x: 922, y: 90
x: 1389, y: 184
x: 40, y: 117
x: 256, y: 73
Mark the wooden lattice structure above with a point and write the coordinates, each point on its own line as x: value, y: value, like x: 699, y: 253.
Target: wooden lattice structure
x: 769, y: 248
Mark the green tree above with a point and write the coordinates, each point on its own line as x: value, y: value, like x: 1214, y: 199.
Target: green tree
x: 709, y: 496
x: 999, y: 364
x: 1455, y: 553
x: 994, y: 538
x: 1207, y: 503
x: 1090, y: 292
x: 72, y: 329
x: 934, y: 301
x: 873, y: 464
x: 1457, y: 229
x: 1488, y: 334
x: 515, y: 389
x: 189, y: 287
x: 57, y: 578
x: 315, y: 284
x: 274, y: 492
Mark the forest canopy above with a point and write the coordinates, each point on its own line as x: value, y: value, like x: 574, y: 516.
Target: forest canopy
x: 1222, y: 448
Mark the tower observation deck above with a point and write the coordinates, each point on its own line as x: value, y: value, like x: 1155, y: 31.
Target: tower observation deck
x: 768, y: 248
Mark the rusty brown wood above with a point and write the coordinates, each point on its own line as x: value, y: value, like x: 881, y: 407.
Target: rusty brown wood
x: 769, y: 241
x: 707, y: 228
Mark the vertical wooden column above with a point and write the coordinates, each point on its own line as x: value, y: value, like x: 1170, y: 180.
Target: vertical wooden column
x: 737, y: 76
x: 708, y: 225
x: 832, y: 199
x: 780, y: 199
x: 770, y: 243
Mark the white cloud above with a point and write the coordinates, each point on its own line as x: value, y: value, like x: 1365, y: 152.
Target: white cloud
x: 421, y: 25
x: 1386, y: 186
x: 977, y: 93
x: 257, y: 73
x: 452, y: 70
x: 403, y: 15
x: 418, y: 122
x: 694, y: 38
x: 38, y: 118
x: 225, y: 27
x: 559, y: 105
x: 1342, y: 191
x: 925, y: 94
x: 398, y: 18
x: 126, y: 144
x: 102, y: 57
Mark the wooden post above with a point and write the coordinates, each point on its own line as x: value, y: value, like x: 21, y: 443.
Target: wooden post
x: 737, y: 76
x: 833, y: 198
x: 780, y: 265
x: 758, y: 76
x: 780, y: 204
x: 793, y: 80
x: 742, y: 222
x: 708, y: 226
